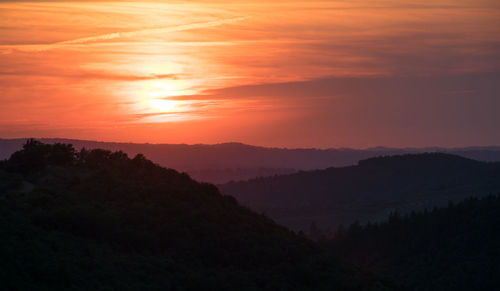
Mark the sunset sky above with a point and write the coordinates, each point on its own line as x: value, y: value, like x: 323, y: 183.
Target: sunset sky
x: 274, y: 73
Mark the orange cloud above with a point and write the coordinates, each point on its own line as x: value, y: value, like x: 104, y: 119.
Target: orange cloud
x: 177, y: 71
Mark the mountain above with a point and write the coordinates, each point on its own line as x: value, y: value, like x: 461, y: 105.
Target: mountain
x: 221, y: 163
x: 453, y: 248
x: 99, y: 220
x: 367, y: 191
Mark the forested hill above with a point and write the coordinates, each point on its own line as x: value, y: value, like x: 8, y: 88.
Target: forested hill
x: 99, y: 220
x: 367, y: 191
x: 221, y: 163
x: 453, y: 248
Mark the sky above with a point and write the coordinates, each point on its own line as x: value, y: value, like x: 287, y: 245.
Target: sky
x: 324, y: 74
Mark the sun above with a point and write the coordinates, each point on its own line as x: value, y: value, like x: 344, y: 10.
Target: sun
x: 156, y: 95
x: 163, y: 100
x: 163, y: 105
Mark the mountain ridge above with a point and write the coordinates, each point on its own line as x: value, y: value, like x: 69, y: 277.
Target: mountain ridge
x: 367, y: 191
x: 221, y: 163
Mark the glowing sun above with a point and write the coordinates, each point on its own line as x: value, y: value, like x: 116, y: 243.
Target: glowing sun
x: 164, y: 100
x: 156, y: 97
x: 162, y: 105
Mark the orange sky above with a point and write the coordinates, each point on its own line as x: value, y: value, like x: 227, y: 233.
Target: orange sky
x: 275, y: 73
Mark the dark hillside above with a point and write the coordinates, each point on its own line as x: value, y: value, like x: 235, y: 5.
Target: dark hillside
x: 367, y: 191
x: 453, y: 248
x: 98, y: 220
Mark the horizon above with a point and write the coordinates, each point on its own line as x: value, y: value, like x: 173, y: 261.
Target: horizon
x: 379, y: 147
x: 359, y: 74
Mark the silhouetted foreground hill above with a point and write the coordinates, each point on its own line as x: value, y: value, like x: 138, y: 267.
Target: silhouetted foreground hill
x: 221, y: 163
x: 454, y: 248
x: 98, y: 220
x: 368, y: 191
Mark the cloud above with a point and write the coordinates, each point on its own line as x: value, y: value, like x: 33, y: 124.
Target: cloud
x: 397, y: 87
x: 115, y: 35
x: 92, y: 75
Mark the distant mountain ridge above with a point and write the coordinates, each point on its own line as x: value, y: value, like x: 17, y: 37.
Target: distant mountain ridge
x: 367, y: 191
x: 221, y: 163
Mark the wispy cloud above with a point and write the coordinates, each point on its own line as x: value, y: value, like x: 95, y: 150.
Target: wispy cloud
x: 115, y: 35
x: 91, y: 75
